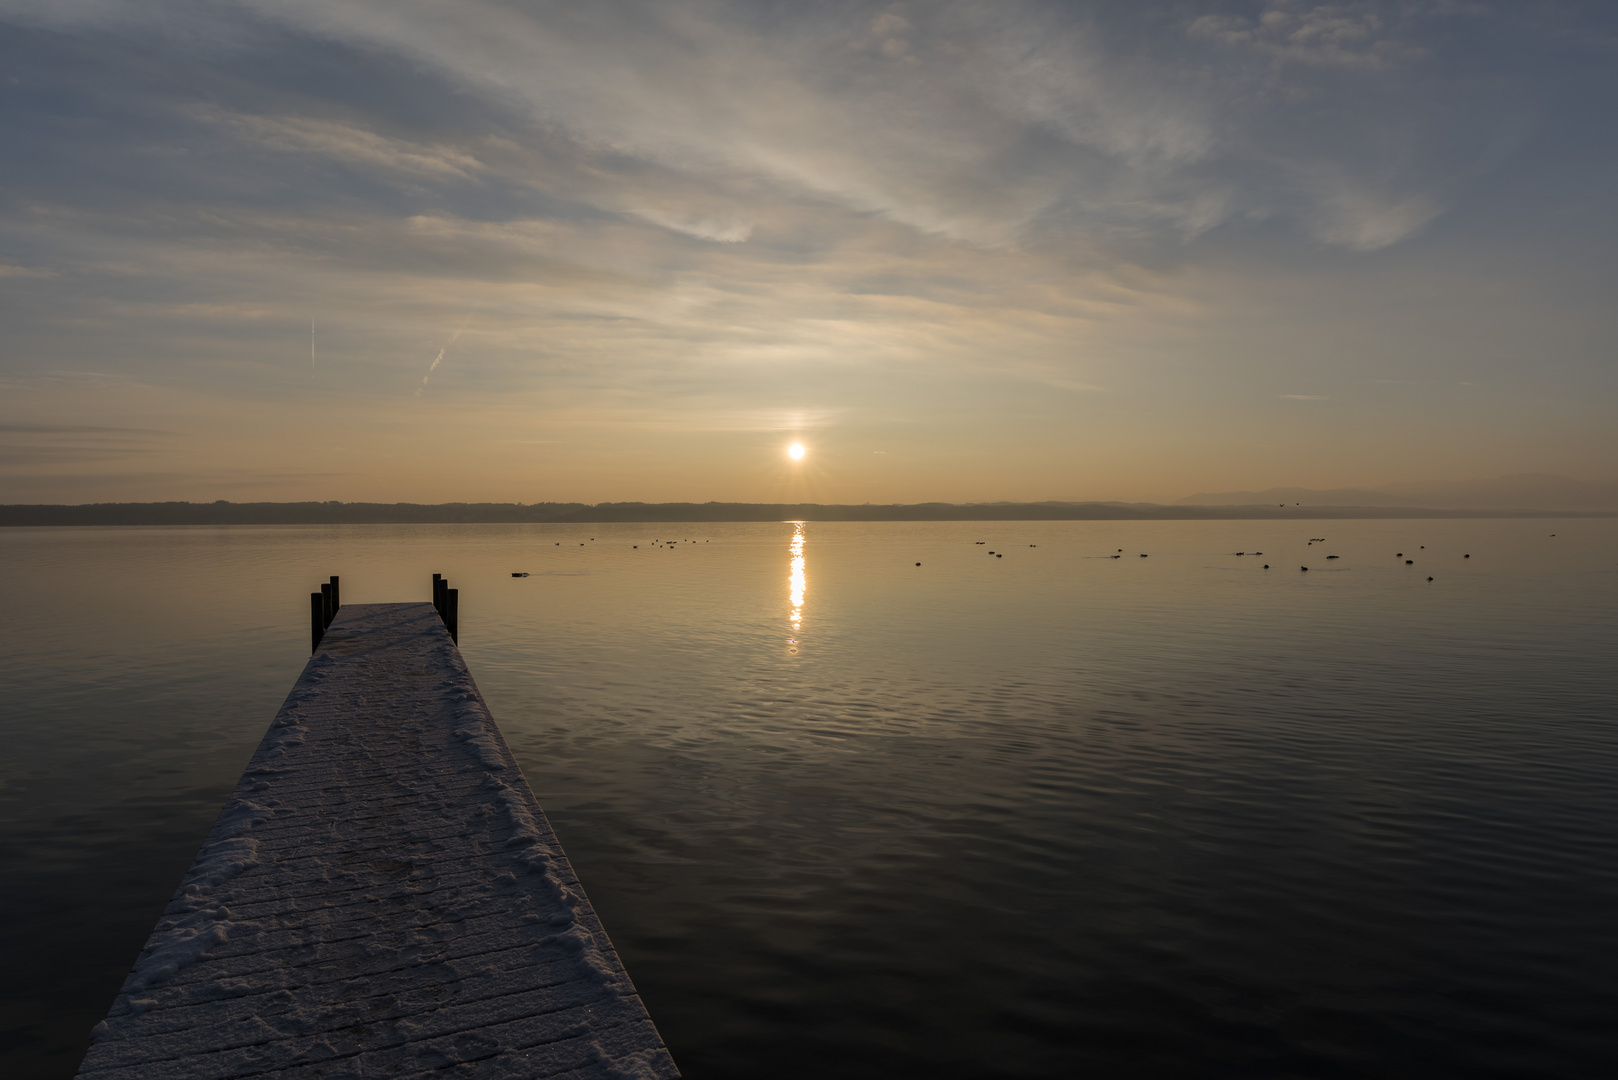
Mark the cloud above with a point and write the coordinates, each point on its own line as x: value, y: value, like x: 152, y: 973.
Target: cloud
x: 341, y: 142
x: 73, y: 429
x: 1342, y: 35
x: 137, y: 485
x: 995, y: 126
x: 1349, y: 213
x: 32, y: 445
x: 726, y: 225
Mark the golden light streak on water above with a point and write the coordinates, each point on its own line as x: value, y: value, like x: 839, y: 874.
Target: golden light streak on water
x: 796, y: 584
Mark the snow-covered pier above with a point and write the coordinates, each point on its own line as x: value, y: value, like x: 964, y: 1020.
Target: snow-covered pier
x: 381, y: 896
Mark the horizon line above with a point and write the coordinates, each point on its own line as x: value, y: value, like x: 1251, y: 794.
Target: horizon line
x: 337, y: 512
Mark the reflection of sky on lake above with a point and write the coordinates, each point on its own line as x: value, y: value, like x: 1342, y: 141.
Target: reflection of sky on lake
x: 1209, y: 796
x: 795, y: 584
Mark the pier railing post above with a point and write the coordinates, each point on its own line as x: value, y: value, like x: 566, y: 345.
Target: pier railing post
x: 452, y: 605
x: 317, y: 619
x: 438, y: 594
x: 325, y: 598
x: 336, y: 601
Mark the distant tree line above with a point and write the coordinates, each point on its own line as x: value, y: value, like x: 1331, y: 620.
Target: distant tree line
x: 341, y: 513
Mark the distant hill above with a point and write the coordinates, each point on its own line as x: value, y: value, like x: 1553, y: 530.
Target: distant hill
x: 1525, y: 491
x: 340, y: 513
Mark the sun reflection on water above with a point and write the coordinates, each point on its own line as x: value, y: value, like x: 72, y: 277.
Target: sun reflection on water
x: 796, y: 584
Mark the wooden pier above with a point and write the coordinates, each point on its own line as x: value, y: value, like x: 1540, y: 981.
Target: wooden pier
x: 381, y: 897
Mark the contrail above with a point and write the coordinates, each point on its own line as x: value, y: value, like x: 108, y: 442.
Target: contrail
x: 439, y: 359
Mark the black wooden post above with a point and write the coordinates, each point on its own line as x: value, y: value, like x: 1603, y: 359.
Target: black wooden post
x: 336, y: 602
x: 317, y: 619
x: 452, y: 604
x: 438, y: 594
x: 325, y: 598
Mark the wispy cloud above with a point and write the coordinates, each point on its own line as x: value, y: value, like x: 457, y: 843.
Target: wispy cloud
x: 988, y: 125
x: 1359, y: 35
x: 1354, y: 214
x: 338, y: 141
x: 23, y: 444
x: 74, y: 429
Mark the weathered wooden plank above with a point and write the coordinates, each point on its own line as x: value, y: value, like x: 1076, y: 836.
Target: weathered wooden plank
x: 381, y: 896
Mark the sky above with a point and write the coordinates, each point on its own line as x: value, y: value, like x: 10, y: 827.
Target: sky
x: 446, y: 250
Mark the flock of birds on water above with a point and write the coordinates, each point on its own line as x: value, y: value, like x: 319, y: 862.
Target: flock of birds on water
x: 1313, y: 540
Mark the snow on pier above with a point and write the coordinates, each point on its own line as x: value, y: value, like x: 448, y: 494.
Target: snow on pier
x: 381, y: 896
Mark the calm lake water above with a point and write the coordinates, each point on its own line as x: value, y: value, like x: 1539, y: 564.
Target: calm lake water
x: 1040, y: 813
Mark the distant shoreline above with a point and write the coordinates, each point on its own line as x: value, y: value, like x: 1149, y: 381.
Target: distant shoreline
x: 339, y: 513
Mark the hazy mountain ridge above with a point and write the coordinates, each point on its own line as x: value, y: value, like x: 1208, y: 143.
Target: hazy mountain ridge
x: 1523, y: 491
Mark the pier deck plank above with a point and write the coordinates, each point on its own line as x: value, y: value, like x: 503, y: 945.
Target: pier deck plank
x: 381, y: 897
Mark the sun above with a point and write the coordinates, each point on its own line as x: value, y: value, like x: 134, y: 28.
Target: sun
x: 795, y: 451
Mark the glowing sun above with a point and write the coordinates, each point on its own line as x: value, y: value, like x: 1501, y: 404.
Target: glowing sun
x: 795, y: 451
